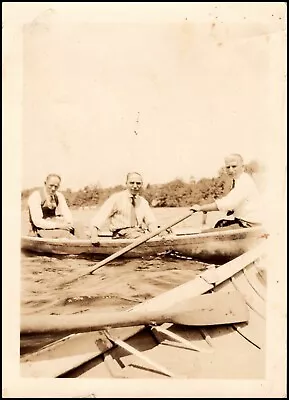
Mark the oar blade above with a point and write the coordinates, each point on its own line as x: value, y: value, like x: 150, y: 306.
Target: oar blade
x: 212, y: 309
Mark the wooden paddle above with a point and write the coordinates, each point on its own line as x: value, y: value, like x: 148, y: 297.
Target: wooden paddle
x: 208, y: 309
x: 131, y: 246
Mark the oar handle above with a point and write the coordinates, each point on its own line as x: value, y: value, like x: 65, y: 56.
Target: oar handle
x: 139, y: 241
x: 55, y: 324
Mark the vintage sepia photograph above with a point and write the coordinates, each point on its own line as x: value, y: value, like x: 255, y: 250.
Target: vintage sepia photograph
x: 145, y: 184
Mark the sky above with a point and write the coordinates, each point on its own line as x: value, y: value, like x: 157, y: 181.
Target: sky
x: 168, y: 98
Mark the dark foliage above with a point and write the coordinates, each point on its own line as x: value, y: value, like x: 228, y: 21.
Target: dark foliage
x: 176, y: 193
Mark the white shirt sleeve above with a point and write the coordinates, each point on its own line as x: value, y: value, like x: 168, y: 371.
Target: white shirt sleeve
x: 149, y: 217
x: 34, y: 204
x: 237, y: 196
x: 104, y: 212
x: 63, y: 210
x: 229, y: 202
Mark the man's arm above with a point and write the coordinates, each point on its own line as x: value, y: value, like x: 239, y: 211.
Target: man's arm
x: 229, y: 202
x: 105, y: 211
x: 233, y: 199
x: 205, y: 207
x: 64, y: 209
x: 149, y: 217
x: 34, y: 204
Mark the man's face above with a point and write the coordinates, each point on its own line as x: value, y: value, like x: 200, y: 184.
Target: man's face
x: 234, y: 167
x: 52, y: 184
x: 134, y: 184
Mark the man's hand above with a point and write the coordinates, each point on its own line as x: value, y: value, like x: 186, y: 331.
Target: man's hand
x: 195, y: 208
x: 64, y: 225
x: 166, y: 234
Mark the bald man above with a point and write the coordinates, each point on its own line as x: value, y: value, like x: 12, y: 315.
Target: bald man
x: 128, y: 213
x: 49, y: 214
x: 243, y: 201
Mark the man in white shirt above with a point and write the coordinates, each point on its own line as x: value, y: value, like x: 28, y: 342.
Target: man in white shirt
x: 49, y: 214
x: 128, y: 213
x: 243, y: 201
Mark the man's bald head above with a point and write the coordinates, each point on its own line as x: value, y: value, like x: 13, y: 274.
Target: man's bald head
x: 235, y: 156
x: 134, y: 183
x: 133, y: 175
x: 234, y: 165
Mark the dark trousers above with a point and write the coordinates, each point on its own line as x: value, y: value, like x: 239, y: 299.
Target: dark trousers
x: 222, y: 223
x: 128, y: 233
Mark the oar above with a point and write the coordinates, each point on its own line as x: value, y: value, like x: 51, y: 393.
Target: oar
x: 138, y: 242
x: 204, y: 218
x: 208, y: 309
x: 131, y: 246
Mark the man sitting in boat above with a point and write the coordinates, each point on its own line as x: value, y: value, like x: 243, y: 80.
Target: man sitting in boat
x: 128, y: 213
x: 49, y: 214
x: 242, y: 202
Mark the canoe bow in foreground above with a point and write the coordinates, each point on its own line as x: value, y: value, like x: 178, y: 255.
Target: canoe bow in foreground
x: 231, y: 351
x: 213, y: 245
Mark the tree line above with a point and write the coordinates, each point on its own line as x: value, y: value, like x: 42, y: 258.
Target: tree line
x: 176, y: 193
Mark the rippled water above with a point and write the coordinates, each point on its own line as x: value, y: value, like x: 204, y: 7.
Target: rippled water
x: 118, y: 285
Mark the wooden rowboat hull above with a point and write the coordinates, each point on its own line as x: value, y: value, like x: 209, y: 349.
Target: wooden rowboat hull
x: 234, y: 351
x: 213, y: 245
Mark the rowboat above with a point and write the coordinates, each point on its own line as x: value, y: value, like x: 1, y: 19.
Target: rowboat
x: 235, y: 350
x: 214, y: 245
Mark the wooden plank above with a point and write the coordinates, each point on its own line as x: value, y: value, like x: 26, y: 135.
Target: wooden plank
x: 251, y: 275
x: 55, y: 344
x: 186, y: 343
x: 143, y: 357
x: 68, y: 353
x: 252, y: 299
x: 57, y: 359
x: 254, y: 331
x: 113, y: 366
x: 206, y: 336
x: 44, y: 368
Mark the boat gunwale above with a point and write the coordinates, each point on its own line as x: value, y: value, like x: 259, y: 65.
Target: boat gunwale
x: 232, y: 233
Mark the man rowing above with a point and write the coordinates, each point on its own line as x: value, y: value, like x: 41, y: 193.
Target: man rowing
x: 243, y: 201
x: 49, y: 214
x: 128, y: 213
